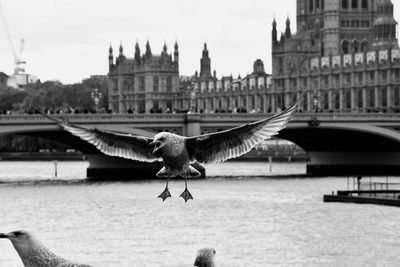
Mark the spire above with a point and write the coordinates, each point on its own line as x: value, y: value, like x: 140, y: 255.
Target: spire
x: 176, y: 52
x: 110, y: 58
x: 121, y: 50
x: 165, y: 47
x: 137, y: 53
x: 205, y: 51
x: 288, y: 31
x: 148, y: 49
x: 274, y: 32
x: 205, y: 64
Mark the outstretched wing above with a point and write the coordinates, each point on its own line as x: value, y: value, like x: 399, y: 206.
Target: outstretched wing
x: 112, y: 143
x: 221, y: 146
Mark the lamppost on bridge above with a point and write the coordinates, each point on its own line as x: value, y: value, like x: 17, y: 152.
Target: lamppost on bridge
x: 315, y: 103
x: 96, y: 96
x: 193, y: 101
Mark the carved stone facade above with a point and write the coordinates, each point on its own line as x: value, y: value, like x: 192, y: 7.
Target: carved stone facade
x: 344, y: 57
x: 248, y: 94
x: 144, y: 83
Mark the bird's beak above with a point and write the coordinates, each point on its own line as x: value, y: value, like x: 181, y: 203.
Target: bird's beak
x: 157, y: 146
x: 152, y: 143
x: 2, y: 235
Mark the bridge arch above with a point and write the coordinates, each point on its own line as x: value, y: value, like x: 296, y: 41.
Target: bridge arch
x: 347, y: 149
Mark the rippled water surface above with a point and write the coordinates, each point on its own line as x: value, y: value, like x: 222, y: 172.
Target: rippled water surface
x: 250, y: 221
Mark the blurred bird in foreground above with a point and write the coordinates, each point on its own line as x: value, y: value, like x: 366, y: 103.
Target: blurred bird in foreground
x: 205, y: 258
x: 34, y: 254
x: 176, y: 151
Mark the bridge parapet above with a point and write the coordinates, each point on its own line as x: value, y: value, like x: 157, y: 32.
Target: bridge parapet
x: 184, y: 118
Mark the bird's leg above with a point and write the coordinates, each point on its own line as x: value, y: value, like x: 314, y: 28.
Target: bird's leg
x: 165, y: 194
x: 186, y: 194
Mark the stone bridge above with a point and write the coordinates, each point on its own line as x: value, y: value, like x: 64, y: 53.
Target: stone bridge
x: 337, y: 143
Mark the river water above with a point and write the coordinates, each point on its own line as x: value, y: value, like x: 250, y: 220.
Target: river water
x: 250, y: 221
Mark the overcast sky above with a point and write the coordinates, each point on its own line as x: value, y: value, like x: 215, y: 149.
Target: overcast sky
x: 68, y: 40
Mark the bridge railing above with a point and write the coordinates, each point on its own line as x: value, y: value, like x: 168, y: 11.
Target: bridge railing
x: 182, y: 118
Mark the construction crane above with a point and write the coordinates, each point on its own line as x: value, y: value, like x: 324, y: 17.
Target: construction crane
x: 18, y: 79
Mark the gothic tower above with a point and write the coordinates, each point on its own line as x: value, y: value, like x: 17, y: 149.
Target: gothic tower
x: 385, y: 26
x: 205, y: 64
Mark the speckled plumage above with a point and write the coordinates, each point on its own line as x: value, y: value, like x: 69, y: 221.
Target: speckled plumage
x: 34, y: 254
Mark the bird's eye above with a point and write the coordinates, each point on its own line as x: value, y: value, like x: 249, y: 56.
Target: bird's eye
x: 18, y: 233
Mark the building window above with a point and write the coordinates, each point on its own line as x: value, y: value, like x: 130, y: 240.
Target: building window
x: 169, y: 84
x: 345, y: 4
x: 364, y: 3
x: 371, y: 76
x: 371, y: 97
x: 397, y: 96
x: 383, y: 75
x: 155, y: 84
x: 293, y: 83
x: 311, y: 5
x: 325, y: 80
x: 325, y: 101
x: 364, y: 46
x: 304, y: 82
x: 356, y: 46
x: 336, y: 80
x: 360, y: 98
x: 359, y: 77
x: 345, y: 47
x: 141, y: 84
x: 348, y: 79
x: 347, y: 99
x: 354, y: 3
x: 141, y: 106
x: 384, y: 97
x: 336, y: 100
x: 396, y: 74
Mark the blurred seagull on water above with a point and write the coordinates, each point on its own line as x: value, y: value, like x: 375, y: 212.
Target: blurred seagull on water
x: 176, y: 151
x: 205, y: 258
x: 34, y: 254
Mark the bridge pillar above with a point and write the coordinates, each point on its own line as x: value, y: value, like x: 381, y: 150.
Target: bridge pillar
x: 192, y: 124
x: 103, y: 167
x: 333, y: 163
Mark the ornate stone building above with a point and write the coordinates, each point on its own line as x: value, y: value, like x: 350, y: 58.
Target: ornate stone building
x: 228, y: 94
x: 144, y: 83
x: 345, y: 56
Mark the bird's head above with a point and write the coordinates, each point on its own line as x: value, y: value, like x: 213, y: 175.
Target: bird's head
x: 160, y: 140
x: 22, y: 240
x: 205, y: 257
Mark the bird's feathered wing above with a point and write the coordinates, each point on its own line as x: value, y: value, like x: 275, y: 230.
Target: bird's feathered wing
x: 223, y: 145
x: 112, y: 143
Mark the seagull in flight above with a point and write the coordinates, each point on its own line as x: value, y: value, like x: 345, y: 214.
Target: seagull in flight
x: 176, y: 151
x: 34, y: 254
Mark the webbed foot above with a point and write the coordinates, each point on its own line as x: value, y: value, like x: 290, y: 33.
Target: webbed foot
x: 186, y: 195
x: 165, y: 194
